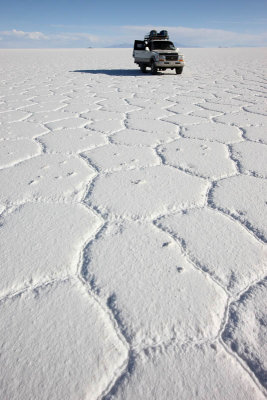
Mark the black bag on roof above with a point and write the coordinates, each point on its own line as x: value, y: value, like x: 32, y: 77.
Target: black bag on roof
x: 153, y: 33
x: 163, y: 33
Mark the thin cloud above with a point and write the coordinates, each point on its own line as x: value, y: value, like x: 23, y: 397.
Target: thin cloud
x: 19, y: 38
x: 26, y: 35
x: 17, y: 34
x: 241, y: 21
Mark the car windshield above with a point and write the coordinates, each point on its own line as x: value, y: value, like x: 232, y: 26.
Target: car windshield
x: 162, y: 45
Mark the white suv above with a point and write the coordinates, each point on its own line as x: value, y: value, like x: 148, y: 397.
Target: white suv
x: 157, y: 52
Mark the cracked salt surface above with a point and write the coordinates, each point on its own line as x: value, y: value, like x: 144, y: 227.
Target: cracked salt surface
x: 205, y: 159
x: 148, y: 192
x: 243, y: 119
x: 72, y: 140
x: 13, y: 116
x: 235, y: 195
x: 151, y: 274
x: 45, y: 117
x: 69, y: 122
x: 246, y: 329
x: 63, y: 228
x: 213, y: 132
x: 252, y: 158
x: 219, y: 246
x: 132, y: 227
x: 116, y: 157
x: 47, y: 178
x: 141, y: 138
x: 198, y: 372
x: 58, y: 343
x: 150, y: 125
x: 19, y: 130
x: 256, y: 134
x: 14, y: 151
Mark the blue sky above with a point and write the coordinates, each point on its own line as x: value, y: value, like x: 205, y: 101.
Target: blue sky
x: 101, y: 23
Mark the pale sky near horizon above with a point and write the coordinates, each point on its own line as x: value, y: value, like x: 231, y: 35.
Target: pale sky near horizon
x: 84, y: 23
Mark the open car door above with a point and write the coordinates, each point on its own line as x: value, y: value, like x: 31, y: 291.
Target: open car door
x: 139, y: 45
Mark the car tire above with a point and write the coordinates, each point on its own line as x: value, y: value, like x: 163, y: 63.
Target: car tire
x: 143, y: 68
x: 179, y: 70
x: 154, y: 69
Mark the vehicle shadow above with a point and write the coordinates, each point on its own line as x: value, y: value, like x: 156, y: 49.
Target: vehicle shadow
x: 111, y: 72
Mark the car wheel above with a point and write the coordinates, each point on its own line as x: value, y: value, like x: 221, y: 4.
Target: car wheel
x: 179, y: 70
x: 154, y: 69
x: 143, y: 68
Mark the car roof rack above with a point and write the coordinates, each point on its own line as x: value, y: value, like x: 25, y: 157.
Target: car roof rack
x: 154, y: 35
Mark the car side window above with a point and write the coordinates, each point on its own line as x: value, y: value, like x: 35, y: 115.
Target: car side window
x: 139, y: 45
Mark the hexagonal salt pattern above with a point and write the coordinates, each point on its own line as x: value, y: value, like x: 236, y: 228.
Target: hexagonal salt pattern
x: 72, y: 140
x: 205, y: 113
x: 46, y: 177
x: 58, y: 343
x: 21, y: 129
x: 46, y: 117
x: 257, y: 108
x: 152, y: 112
x: 183, y: 108
x: 205, y: 159
x: 101, y: 115
x: 116, y: 157
x: 120, y: 272
x: 219, y: 246
x: 14, y: 151
x: 190, y: 372
x: 151, y: 125
x: 235, y: 195
x: 13, y: 116
x: 251, y: 158
x: 46, y: 106
x: 243, y: 119
x: 245, y: 331
x: 214, y: 132
x: 154, y: 291
x: 12, y: 105
x: 67, y: 123
x: 223, y: 108
x: 185, y: 119
x: 147, y: 192
x: 106, y: 126
x: 78, y: 107
x: 134, y: 137
x: 256, y: 134
x: 118, y: 105
x: 46, y: 248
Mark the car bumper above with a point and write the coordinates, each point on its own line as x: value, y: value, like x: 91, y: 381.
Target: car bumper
x: 169, y: 64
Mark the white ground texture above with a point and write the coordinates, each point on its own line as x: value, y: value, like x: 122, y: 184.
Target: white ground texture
x: 133, y: 215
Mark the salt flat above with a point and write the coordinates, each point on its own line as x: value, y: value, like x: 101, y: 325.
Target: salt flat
x: 133, y: 226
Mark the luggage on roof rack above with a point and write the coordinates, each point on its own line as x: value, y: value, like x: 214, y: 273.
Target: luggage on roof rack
x: 164, y: 33
x: 154, y: 35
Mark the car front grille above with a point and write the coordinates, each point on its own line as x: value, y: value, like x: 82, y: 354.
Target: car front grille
x: 170, y: 57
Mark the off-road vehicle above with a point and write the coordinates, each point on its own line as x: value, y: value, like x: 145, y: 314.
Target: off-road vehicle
x: 157, y: 52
